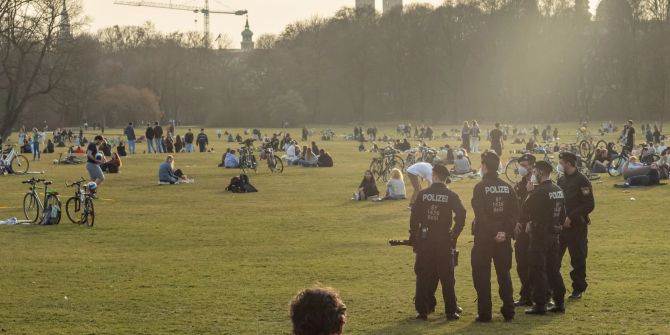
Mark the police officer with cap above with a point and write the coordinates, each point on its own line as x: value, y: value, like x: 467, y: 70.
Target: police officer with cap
x: 496, y: 211
x: 434, y: 237
x: 545, y: 207
x: 523, y: 189
x: 579, y: 203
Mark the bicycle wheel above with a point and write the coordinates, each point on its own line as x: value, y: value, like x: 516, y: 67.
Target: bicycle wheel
x: 615, y: 166
x: 73, y: 210
x: 376, y: 168
x: 584, y: 149
x: 31, y: 208
x: 20, y: 164
x: 276, y: 165
x: 88, y: 214
x: 53, y: 200
x: 602, y: 145
x: 512, y: 171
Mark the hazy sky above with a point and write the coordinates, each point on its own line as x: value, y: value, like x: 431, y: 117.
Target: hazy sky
x: 265, y: 16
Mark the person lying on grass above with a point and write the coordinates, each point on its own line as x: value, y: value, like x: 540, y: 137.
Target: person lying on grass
x: 167, y: 173
x: 638, y: 174
x: 368, y: 188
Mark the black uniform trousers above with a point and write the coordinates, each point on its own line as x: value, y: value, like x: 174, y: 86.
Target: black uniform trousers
x: 501, y: 255
x: 545, y: 272
x: 434, y: 259
x: 575, y: 241
x: 522, y: 267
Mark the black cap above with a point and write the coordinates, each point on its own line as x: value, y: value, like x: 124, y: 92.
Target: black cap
x: 544, y: 167
x: 527, y: 158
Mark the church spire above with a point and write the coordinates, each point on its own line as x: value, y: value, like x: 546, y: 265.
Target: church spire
x: 65, y: 31
x: 247, y: 37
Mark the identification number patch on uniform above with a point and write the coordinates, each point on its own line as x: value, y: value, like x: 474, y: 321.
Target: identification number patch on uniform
x: 586, y: 190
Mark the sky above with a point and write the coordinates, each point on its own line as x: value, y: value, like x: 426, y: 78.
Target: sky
x: 265, y: 16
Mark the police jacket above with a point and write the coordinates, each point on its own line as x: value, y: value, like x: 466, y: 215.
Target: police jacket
x: 522, y: 194
x: 579, y: 202
x: 435, y: 210
x: 496, y: 208
x: 546, y: 209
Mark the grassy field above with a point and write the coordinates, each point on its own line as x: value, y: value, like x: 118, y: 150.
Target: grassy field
x: 194, y: 259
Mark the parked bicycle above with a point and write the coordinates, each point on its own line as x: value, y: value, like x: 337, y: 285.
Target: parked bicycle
x: 421, y: 154
x: 16, y: 162
x: 247, y: 157
x: 382, y: 166
x: 275, y: 163
x: 79, y: 208
x: 50, y: 207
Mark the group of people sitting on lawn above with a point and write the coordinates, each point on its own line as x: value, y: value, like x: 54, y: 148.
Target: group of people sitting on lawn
x: 167, y: 174
x: 305, y: 156
x: 367, y: 189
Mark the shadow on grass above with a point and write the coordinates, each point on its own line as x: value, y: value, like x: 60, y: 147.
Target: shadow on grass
x: 466, y: 325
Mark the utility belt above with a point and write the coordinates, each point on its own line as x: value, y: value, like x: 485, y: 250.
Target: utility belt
x: 549, y: 230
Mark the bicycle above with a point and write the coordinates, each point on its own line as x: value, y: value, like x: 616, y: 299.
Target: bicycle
x: 381, y: 166
x: 16, y: 162
x: 275, y: 163
x: 512, y: 166
x: 33, y: 205
x: 73, y: 205
x: 247, y: 158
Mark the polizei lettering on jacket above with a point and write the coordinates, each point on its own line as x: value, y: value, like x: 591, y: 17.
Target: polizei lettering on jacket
x: 556, y: 195
x: 501, y: 189
x: 436, y: 197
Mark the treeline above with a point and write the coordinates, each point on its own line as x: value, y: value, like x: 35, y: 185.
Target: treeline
x: 488, y: 60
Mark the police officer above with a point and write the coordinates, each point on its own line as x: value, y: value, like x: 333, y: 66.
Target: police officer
x: 496, y: 211
x: 545, y: 207
x: 523, y: 189
x: 579, y: 203
x: 433, y: 239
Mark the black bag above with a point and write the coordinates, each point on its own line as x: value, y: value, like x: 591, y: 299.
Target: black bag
x: 248, y: 188
x: 236, y: 185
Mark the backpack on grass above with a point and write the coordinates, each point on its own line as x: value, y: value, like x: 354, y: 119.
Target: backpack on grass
x: 240, y: 185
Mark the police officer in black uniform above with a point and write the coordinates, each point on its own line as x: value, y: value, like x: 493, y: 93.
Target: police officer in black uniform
x: 496, y: 212
x: 523, y: 189
x: 545, y: 207
x: 434, y: 239
x: 579, y: 203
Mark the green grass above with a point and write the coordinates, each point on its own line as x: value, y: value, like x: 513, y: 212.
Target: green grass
x: 193, y: 259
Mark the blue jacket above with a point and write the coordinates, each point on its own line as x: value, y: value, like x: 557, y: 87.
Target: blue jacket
x: 231, y: 161
x: 165, y: 173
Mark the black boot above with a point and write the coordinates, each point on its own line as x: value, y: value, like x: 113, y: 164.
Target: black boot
x: 557, y: 308
x: 537, y: 310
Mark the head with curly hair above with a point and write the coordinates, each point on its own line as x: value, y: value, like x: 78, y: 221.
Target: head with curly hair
x: 317, y: 311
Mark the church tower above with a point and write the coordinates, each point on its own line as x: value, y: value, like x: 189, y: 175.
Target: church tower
x: 391, y: 4
x: 247, y: 38
x: 65, y: 32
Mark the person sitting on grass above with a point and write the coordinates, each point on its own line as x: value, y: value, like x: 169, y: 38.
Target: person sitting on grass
x: 113, y: 165
x: 50, y: 147
x: 310, y: 160
x: 462, y: 164
x: 317, y: 311
x: 600, y: 161
x: 638, y: 174
x: 167, y: 173
x: 231, y: 161
x: 395, y: 188
x: 291, y: 155
x: 121, y: 149
x: 368, y: 188
x: 325, y: 160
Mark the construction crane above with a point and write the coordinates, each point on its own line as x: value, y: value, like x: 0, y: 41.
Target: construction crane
x: 204, y: 10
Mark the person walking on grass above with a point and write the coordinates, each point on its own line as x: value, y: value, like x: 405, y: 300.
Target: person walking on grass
x: 203, y: 141
x: 36, y: 144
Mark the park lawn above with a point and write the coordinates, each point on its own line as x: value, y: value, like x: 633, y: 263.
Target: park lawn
x: 194, y: 259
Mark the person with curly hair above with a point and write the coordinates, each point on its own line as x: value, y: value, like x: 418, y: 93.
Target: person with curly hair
x: 317, y: 311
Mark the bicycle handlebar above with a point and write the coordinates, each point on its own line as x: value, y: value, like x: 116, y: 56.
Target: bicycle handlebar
x: 78, y: 183
x: 33, y: 181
